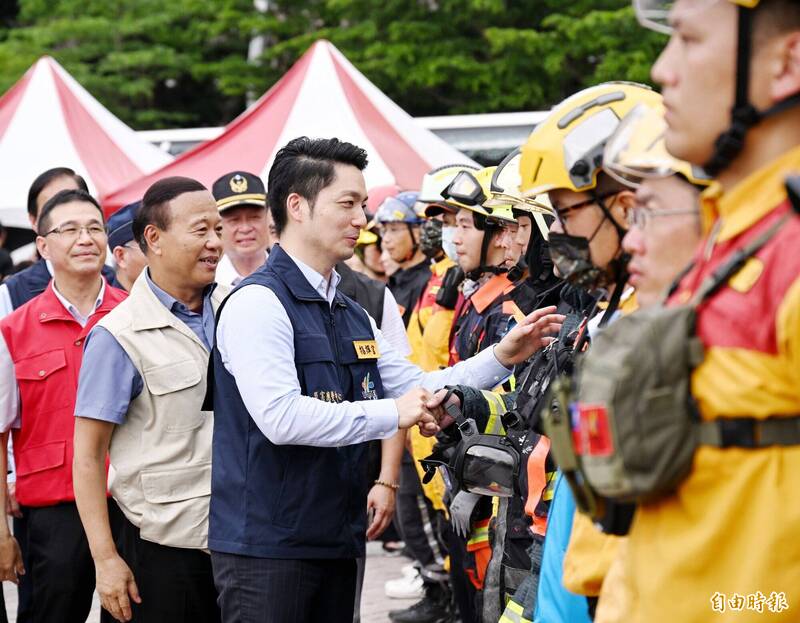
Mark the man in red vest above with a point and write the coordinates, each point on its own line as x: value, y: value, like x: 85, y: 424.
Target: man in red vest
x: 40, y: 357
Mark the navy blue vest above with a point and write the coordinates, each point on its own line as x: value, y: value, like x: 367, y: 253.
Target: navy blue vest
x: 32, y: 281
x: 290, y: 501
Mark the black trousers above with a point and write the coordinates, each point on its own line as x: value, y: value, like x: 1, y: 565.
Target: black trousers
x: 175, y: 584
x: 24, y: 587
x: 463, y: 590
x: 270, y: 590
x: 59, y: 565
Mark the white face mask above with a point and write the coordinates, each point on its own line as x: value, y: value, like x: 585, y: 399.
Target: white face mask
x: 448, y: 246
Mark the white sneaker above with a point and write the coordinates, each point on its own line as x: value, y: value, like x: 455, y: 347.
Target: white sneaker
x: 407, y: 587
x: 409, y: 570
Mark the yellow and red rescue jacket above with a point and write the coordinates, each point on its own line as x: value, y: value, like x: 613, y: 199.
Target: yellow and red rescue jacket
x: 728, y: 535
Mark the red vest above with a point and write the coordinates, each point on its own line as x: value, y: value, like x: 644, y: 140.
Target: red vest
x: 46, y: 345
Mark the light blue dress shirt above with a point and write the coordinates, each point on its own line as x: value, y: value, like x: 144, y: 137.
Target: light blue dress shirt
x: 108, y: 379
x: 255, y: 339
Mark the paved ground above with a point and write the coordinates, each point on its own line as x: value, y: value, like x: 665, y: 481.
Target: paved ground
x: 374, y: 603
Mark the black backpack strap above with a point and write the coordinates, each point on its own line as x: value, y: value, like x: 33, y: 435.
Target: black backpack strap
x: 734, y: 264
x: 750, y: 432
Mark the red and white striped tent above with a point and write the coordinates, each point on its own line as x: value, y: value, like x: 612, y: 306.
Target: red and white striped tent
x: 322, y: 95
x: 49, y: 120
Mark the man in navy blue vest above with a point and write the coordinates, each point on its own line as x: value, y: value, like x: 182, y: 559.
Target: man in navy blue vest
x: 302, y: 379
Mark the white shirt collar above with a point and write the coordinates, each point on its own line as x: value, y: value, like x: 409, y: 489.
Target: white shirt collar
x: 74, y: 312
x: 326, y: 289
x: 227, y: 273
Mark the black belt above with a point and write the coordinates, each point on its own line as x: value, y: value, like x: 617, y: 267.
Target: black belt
x: 751, y: 432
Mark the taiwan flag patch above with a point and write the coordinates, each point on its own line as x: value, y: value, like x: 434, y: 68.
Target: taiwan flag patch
x: 593, y: 430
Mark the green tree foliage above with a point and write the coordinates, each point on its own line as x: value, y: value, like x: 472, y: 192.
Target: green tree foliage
x: 184, y: 62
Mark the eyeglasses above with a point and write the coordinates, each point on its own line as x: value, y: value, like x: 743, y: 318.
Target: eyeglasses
x: 563, y: 213
x: 640, y: 216
x: 72, y: 231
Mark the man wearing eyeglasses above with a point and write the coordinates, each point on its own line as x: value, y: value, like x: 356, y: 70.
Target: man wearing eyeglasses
x: 40, y: 356
x: 661, y: 238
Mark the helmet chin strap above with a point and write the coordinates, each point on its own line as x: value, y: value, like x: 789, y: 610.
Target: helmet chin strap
x: 617, y: 269
x: 414, y: 244
x: 482, y: 268
x: 744, y: 115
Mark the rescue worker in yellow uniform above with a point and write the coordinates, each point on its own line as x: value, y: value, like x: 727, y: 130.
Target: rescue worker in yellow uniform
x: 724, y: 544
x: 563, y: 158
x: 398, y: 225
x: 663, y: 233
x: 429, y: 327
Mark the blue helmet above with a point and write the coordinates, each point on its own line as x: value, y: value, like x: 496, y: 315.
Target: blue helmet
x: 400, y: 208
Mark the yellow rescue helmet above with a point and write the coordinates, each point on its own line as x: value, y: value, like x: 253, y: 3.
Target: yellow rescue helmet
x: 565, y: 151
x: 654, y: 14
x: 366, y: 238
x: 434, y: 182
x: 470, y: 190
x: 505, y: 189
x: 636, y: 151
x: 502, y: 213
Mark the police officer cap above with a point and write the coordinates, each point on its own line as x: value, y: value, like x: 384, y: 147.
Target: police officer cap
x: 120, y: 225
x: 239, y: 188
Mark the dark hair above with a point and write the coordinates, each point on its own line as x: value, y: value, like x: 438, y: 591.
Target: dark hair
x: 60, y: 198
x: 305, y: 166
x: 607, y: 185
x: 155, y: 205
x: 773, y: 18
x: 44, y: 179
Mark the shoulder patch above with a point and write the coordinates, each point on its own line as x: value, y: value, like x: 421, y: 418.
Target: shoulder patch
x: 746, y: 278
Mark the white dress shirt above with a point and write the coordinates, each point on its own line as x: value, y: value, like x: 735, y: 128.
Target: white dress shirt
x: 9, y: 391
x: 255, y: 339
x: 6, y: 306
x: 227, y: 273
x: 392, y: 325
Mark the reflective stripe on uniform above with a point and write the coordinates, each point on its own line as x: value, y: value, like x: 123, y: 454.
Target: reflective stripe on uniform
x: 497, y: 407
x: 513, y: 613
x: 479, y: 537
x: 537, y: 484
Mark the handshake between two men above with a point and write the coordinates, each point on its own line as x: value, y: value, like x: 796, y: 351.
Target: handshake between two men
x: 426, y: 410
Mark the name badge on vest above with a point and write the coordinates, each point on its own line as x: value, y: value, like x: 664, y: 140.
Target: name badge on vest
x: 366, y: 349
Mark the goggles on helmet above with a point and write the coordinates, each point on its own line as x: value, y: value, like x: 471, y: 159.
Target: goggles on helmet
x: 636, y: 151
x: 466, y: 189
x: 434, y: 182
x: 655, y: 14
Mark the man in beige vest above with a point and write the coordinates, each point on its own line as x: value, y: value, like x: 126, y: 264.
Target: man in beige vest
x: 140, y: 397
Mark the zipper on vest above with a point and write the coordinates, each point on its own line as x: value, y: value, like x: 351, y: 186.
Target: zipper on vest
x: 335, y: 336
x: 335, y: 340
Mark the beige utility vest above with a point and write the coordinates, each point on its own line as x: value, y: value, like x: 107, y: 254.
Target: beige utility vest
x: 161, y: 453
